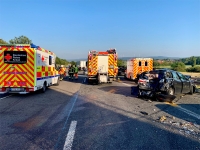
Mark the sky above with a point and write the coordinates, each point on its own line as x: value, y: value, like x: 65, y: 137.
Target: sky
x: 136, y: 28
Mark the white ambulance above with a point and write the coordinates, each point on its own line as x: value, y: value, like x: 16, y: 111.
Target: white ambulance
x: 26, y: 68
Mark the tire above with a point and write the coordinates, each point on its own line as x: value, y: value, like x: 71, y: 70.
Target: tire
x: 58, y: 82
x: 97, y: 82
x: 44, y: 88
x: 170, y: 91
x: 191, y: 90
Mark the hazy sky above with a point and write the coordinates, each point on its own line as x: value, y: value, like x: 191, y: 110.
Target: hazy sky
x: 136, y: 28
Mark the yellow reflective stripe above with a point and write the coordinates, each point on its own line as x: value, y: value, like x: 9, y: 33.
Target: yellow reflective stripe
x: 5, y: 76
x: 43, y: 74
x: 25, y: 76
x: 39, y: 68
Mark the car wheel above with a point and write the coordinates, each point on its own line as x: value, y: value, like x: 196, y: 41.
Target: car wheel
x: 170, y: 91
x: 191, y: 90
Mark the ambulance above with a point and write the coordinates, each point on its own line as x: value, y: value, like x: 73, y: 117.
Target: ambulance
x: 26, y: 68
x: 136, y: 66
x: 102, y: 66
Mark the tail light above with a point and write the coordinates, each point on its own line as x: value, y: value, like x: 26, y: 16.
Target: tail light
x: 141, y: 81
x: 2, y: 89
x: 116, y: 70
x: 29, y: 89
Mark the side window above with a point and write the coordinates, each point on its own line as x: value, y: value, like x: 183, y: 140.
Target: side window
x: 50, y: 60
x: 146, y: 63
x: 182, y: 77
x: 175, y: 76
x: 140, y: 63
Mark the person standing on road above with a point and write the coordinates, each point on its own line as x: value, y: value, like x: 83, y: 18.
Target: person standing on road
x: 62, y: 72
x: 76, y: 72
x: 71, y: 73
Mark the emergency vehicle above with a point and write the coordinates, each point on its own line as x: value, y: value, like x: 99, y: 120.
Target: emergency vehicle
x: 26, y: 68
x: 136, y: 66
x: 102, y: 66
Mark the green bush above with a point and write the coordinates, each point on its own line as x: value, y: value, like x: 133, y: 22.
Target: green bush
x: 193, y: 69
x: 178, y: 66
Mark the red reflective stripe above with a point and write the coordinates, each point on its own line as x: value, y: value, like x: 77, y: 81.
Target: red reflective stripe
x: 39, y: 74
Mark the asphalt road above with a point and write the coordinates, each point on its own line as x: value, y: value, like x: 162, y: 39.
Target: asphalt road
x: 76, y: 115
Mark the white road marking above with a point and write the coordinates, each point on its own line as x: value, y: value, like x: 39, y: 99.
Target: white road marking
x: 74, y: 98
x: 189, y: 112
x: 184, y: 110
x: 70, y: 136
x: 6, y: 96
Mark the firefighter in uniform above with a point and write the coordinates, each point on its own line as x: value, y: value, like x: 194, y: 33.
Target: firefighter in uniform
x: 71, y: 73
x: 76, y: 72
x: 62, y: 72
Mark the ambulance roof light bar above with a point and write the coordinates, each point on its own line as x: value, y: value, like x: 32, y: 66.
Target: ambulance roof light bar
x: 15, y: 45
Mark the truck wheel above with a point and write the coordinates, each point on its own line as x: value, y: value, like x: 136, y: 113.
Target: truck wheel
x: 44, y: 88
x: 97, y: 82
x: 170, y: 91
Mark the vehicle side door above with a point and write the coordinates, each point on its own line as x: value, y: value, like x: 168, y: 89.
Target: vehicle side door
x: 185, y: 82
x: 177, y: 83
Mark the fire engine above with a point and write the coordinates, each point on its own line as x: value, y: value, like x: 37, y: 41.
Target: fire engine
x: 102, y: 66
x: 136, y: 66
x: 26, y: 68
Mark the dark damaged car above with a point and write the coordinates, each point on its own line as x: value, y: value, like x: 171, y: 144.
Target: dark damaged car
x: 164, y: 81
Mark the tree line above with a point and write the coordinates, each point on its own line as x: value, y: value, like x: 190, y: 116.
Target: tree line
x: 180, y: 65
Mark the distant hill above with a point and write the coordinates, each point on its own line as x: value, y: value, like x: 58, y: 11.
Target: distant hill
x: 154, y: 57
x: 80, y: 59
x: 126, y: 58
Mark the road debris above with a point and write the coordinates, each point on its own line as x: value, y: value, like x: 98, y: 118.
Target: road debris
x: 197, y: 126
x: 165, y: 98
x: 176, y: 123
x: 163, y: 118
x: 143, y: 112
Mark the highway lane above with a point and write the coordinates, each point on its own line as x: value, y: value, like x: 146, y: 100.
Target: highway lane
x: 2, y: 96
x: 35, y: 121
x: 109, y: 117
x: 80, y: 116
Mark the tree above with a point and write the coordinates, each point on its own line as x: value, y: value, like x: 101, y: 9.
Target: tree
x: 60, y: 61
x: 193, y: 61
x: 3, y: 42
x: 73, y: 63
x: 156, y: 64
x: 120, y: 62
x: 178, y: 66
x: 20, y: 40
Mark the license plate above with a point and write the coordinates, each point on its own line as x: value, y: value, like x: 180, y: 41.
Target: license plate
x: 15, y: 89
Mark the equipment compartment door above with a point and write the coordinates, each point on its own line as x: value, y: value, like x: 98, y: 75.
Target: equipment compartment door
x: 103, y: 64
